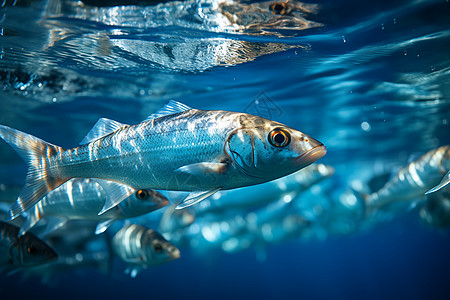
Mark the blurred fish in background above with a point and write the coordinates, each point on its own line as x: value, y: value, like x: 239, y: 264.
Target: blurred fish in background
x: 368, y: 80
x: 22, y: 251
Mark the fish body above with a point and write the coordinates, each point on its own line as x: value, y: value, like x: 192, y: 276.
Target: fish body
x: 150, y: 153
x: 178, y: 148
x: 24, y: 251
x: 142, y: 247
x: 82, y: 199
x: 413, y: 180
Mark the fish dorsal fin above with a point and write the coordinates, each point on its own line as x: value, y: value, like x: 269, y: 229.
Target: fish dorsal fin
x: 102, y: 128
x: 173, y: 107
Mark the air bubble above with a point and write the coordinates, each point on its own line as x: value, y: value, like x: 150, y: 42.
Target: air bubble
x: 366, y: 126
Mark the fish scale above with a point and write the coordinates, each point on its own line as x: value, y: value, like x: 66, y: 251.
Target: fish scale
x: 154, y: 153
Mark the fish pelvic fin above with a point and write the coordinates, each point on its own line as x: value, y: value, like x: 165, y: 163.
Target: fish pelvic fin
x: 36, y: 153
x: 195, y: 197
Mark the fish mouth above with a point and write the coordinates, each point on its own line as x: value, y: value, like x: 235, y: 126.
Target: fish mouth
x: 174, y: 253
x: 312, y: 155
x: 164, y: 202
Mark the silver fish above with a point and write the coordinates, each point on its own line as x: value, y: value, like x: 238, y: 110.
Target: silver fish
x: 414, y: 180
x: 142, y: 247
x: 83, y: 198
x: 177, y: 148
x: 24, y: 251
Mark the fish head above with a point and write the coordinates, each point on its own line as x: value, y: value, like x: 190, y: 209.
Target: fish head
x: 159, y: 250
x: 143, y: 201
x: 268, y: 150
x: 31, y: 251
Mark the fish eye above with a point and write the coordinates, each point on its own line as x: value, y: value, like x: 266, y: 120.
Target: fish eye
x: 142, y: 194
x: 158, y: 248
x: 279, y: 138
x: 278, y: 8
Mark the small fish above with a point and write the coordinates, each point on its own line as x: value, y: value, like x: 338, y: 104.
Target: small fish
x: 24, y: 251
x: 177, y: 148
x: 142, y: 247
x: 414, y: 180
x: 83, y: 198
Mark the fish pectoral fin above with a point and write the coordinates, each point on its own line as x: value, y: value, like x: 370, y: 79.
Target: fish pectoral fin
x: 444, y: 182
x: 101, y: 227
x: 203, y: 168
x: 173, y: 107
x: 117, y: 192
x: 195, y: 197
x: 102, y: 128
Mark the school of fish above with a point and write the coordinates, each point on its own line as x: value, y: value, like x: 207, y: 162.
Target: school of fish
x: 129, y: 197
x: 114, y: 172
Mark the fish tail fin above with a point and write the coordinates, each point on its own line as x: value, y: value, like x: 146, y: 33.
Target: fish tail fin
x: 36, y: 153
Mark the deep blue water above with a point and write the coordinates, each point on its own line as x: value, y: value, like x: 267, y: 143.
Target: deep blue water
x: 371, y: 82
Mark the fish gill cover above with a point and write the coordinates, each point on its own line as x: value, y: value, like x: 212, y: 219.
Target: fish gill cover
x: 370, y: 81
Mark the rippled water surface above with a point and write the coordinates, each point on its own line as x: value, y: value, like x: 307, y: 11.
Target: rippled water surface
x: 371, y: 80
